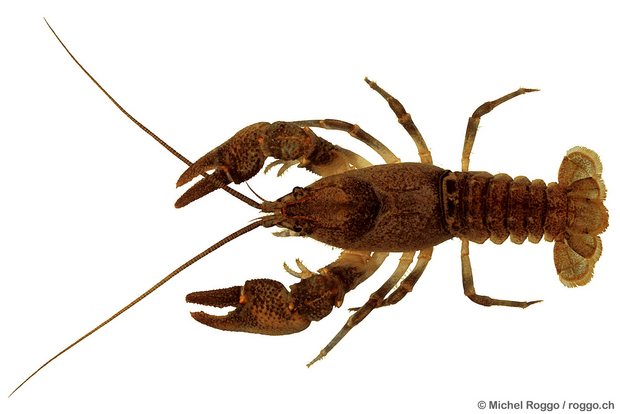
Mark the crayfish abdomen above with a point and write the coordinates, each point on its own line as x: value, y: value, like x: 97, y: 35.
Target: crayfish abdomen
x: 480, y: 206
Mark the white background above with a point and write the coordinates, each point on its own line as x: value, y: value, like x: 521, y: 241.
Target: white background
x: 88, y: 221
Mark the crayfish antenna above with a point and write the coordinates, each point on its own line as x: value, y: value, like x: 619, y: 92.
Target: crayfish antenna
x: 255, y: 193
x: 214, y: 180
x: 178, y: 270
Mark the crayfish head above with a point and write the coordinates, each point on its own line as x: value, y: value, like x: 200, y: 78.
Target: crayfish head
x: 338, y: 211
x: 292, y: 212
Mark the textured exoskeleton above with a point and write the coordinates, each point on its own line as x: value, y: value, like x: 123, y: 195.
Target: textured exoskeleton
x: 369, y: 211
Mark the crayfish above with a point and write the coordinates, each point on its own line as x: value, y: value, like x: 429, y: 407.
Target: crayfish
x: 369, y: 211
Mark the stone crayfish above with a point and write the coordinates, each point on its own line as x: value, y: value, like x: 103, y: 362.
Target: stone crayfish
x: 369, y: 211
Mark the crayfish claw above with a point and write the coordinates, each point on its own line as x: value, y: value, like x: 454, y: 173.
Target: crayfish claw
x: 203, y: 187
x: 243, y: 156
x: 219, y: 298
x: 236, y: 160
x: 265, y: 306
x: 262, y: 306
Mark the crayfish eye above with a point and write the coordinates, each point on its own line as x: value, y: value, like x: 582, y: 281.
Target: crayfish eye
x: 297, y: 229
x: 299, y: 192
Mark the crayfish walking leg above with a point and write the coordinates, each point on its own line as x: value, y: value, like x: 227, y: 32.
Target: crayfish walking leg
x: 466, y: 270
x: 405, y: 120
x: 377, y: 298
x: 356, y: 132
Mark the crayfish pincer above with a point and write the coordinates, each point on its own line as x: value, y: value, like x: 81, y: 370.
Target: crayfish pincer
x: 242, y: 157
x: 265, y: 306
x: 370, y: 211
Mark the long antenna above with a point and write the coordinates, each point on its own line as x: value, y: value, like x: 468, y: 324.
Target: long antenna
x: 184, y: 266
x: 178, y: 270
x: 222, y: 185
